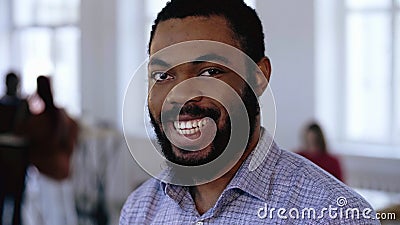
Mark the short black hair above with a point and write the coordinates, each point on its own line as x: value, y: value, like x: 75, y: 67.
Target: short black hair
x: 12, y: 81
x: 243, y: 20
x: 12, y: 78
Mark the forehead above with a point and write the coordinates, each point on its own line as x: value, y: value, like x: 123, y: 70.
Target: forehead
x: 173, y: 31
x: 177, y: 41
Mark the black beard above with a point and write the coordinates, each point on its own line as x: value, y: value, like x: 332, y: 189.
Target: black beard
x: 220, y: 142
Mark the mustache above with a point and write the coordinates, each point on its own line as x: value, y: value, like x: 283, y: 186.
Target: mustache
x: 191, y: 110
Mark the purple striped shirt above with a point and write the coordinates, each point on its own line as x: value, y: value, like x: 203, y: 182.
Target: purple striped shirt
x: 284, y: 189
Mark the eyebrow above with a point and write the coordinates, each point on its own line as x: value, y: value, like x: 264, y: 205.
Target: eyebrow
x: 158, y: 62
x: 211, y: 57
x: 204, y: 58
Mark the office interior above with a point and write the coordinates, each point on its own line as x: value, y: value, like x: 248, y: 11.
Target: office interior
x: 333, y: 61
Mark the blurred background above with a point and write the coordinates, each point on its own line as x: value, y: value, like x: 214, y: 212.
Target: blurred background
x: 334, y: 61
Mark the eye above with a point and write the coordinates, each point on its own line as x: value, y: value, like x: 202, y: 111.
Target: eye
x: 160, y: 76
x: 211, y: 72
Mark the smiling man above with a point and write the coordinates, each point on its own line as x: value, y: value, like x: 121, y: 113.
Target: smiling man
x: 206, y: 70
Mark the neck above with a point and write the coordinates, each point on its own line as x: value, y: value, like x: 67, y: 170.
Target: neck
x: 206, y: 195
x: 11, y: 93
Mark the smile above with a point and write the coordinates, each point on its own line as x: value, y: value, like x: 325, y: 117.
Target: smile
x: 190, y: 127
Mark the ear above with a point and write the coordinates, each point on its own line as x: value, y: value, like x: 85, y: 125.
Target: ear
x: 262, y: 76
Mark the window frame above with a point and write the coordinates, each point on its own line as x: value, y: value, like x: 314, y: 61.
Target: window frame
x: 329, y: 91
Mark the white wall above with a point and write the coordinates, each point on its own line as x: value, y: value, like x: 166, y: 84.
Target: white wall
x: 131, y: 50
x: 4, y: 42
x: 112, y: 49
x: 99, y: 65
x: 289, y: 29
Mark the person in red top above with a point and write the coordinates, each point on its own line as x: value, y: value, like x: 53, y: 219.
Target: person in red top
x: 51, y: 134
x: 315, y: 150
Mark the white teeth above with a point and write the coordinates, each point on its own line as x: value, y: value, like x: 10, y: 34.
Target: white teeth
x: 190, y: 127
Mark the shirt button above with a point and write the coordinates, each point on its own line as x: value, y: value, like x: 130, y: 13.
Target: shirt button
x: 199, y: 223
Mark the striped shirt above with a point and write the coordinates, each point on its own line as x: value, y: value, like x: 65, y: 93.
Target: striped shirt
x: 284, y: 189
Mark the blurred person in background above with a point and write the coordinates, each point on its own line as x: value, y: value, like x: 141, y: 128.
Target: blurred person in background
x: 13, y: 108
x: 14, y: 111
x: 315, y: 150
x: 52, y: 135
x: 11, y: 97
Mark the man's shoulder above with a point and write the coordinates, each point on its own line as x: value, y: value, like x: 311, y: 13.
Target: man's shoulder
x: 307, y: 177
x: 302, y: 168
x: 288, y: 179
x: 141, y: 200
x: 313, y: 188
x: 148, y: 191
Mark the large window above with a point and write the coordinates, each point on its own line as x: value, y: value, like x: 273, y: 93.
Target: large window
x: 358, y: 75
x: 46, y: 41
x: 372, y: 71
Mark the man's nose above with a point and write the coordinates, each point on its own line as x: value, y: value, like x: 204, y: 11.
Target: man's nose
x: 184, y: 92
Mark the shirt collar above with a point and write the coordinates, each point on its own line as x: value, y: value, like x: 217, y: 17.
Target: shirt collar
x: 255, y: 174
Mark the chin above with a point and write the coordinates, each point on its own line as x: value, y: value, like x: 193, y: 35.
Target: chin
x: 192, y: 157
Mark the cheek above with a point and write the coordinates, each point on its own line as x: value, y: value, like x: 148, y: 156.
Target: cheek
x: 236, y: 82
x: 155, y: 101
x: 230, y: 100
x: 223, y: 119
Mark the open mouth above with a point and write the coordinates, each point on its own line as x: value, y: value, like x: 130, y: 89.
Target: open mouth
x: 192, y: 133
x: 190, y: 127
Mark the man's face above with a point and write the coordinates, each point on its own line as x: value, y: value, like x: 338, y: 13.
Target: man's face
x: 198, y: 114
